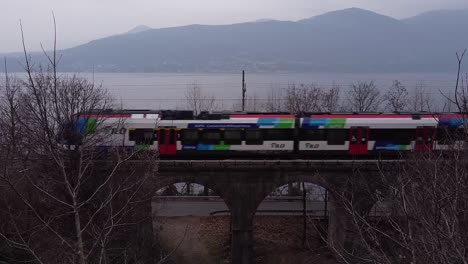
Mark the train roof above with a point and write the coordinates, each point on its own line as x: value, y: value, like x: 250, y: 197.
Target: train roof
x: 397, y: 115
x: 189, y: 115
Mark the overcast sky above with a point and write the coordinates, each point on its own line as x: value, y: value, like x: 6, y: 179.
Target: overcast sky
x: 80, y: 21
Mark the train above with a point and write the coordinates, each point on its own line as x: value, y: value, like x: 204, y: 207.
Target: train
x: 180, y: 134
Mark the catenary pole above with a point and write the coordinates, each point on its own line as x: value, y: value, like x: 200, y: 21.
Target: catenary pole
x: 244, y: 90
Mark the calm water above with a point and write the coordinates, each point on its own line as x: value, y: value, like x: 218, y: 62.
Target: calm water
x: 167, y: 90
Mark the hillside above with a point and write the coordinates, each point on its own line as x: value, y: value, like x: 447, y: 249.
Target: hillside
x: 138, y: 29
x: 350, y: 40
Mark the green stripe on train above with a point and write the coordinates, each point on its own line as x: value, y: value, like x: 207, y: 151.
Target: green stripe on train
x: 142, y: 147
x: 285, y: 123
x: 91, y: 125
x: 221, y: 146
x: 336, y: 123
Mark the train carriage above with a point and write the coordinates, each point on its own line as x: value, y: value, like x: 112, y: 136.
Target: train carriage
x: 266, y: 134
x: 178, y: 134
x: 362, y: 134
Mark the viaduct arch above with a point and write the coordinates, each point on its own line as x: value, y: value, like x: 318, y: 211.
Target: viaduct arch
x: 243, y: 185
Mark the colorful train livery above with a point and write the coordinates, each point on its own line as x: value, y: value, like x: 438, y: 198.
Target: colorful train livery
x: 178, y: 134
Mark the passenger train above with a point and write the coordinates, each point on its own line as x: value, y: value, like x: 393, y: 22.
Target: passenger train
x: 180, y: 134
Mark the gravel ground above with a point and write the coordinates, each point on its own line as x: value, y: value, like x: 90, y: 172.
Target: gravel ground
x: 278, y: 240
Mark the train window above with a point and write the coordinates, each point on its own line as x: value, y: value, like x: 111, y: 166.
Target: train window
x: 162, y: 136
x: 396, y: 136
x: 278, y: 134
x: 211, y: 137
x: 172, y: 136
x: 313, y: 135
x: 233, y: 136
x: 337, y: 136
x: 253, y: 137
x: 142, y: 136
x: 364, y: 135
x: 354, y: 136
x: 403, y: 136
x: 189, y: 136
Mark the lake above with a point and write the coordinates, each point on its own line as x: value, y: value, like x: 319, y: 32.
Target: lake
x: 167, y: 90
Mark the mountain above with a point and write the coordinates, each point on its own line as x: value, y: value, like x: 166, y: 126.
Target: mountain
x: 445, y: 18
x: 441, y: 34
x: 351, y: 17
x: 350, y: 40
x: 138, y: 29
x: 262, y: 20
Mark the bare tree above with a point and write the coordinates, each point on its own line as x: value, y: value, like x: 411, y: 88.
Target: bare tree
x: 252, y: 104
x: 364, y: 97
x: 461, y: 88
x: 421, y: 207
x: 68, y: 191
x: 197, y: 101
x: 422, y: 201
x: 420, y: 99
x: 303, y: 98
x: 9, y: 108
x: 61, y: 201
x: 397, y: 97
x: 330, y: 101
x: 274, y: 101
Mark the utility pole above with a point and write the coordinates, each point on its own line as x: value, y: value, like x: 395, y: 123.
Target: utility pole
x: 244, y: 89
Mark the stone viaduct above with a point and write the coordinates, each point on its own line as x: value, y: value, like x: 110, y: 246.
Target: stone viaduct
x: 243, y: 184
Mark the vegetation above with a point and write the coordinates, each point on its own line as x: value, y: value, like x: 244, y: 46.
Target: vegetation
x: 62, y: 203
x: 361, y: 96
x: 425, y: 213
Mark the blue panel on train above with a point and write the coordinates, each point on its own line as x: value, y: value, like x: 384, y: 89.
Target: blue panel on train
x: 315, y: 122
x: 81, y: 125
x: 451, y: 122
x: 204, y: 147
x: 268, y: 121
x: 388, y: 145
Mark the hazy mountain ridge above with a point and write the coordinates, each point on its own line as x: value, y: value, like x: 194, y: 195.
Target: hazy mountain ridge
x: 351, y: 16
x: 446, y: 16
x: 350, y: 40
x: 138, y: 29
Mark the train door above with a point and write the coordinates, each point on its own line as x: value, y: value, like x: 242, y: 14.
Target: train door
x: 167, y: 141
x: 358, y: 140
x: 424, y: 139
